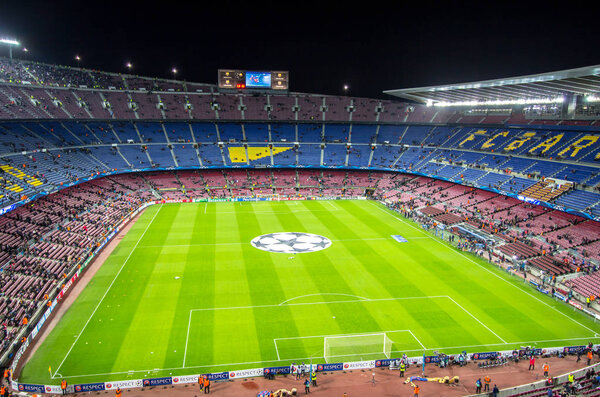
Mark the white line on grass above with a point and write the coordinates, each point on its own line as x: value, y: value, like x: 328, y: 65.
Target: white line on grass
x: 108, y: 289
x: 187, y: 338
x: 273, y: 212
x: 417, y: 339
x: 476, y: 319
x: 325, y: 293
x: 346, y: 335
x: 388, y: 211
x: 318, y: 303
x: 276, y: 350
x: 308, y: 358
x: 331, y: 204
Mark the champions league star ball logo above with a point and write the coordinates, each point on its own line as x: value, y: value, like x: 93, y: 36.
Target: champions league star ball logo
x: 291, y: 242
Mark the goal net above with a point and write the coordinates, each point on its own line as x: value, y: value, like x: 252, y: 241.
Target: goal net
x: 362, y: 347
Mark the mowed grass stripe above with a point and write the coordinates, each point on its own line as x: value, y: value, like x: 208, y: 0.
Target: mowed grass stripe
x: 265, y: 286
x: 198, y: 290
x: 230, y: 289
x: 155, y: 317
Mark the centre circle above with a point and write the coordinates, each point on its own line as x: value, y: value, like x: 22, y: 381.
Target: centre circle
x: 291, y: 242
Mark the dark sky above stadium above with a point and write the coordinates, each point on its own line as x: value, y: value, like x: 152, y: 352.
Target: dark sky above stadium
x: 371, y: 46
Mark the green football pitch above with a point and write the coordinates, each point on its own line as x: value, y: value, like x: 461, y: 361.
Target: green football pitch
x: 185, y: 292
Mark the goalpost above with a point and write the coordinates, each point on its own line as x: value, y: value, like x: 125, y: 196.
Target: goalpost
x: 365, y: 346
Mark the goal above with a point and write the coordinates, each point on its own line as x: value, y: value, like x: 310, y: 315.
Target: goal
x: 362, y: 346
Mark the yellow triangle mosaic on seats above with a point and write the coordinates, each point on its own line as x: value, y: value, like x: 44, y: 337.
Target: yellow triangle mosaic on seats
x: 238, y: 154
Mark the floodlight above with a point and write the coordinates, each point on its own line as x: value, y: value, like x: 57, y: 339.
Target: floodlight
x: 528, y: 101
x: 9, y: 42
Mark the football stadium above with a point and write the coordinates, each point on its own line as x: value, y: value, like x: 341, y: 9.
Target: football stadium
x: 157, y: 234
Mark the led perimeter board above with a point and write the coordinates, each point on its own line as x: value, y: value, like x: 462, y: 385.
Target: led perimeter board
x: 246, y: 79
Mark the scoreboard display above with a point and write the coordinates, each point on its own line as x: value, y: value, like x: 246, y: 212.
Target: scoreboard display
x: 245, y: 79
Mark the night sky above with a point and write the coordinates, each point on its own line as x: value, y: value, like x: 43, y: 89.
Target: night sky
x: 372, y: 46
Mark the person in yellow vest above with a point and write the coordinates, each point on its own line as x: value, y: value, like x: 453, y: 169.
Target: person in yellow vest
x: 402, y: 369
x: 63, y: 386
x: 486, y: 383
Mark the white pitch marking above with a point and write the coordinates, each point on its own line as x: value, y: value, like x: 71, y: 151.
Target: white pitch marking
x: 187, y: 338
x: 271, y: 212
x: 325, y: 293
x: 345, y: 335
x: 484, y: 268
x: 276, y: 349
x: 476, y: 319
x: 417, y: 339
x: 308, y: 358
x: 319, y: 303
x: 108, y: 289
x: 332, y: 205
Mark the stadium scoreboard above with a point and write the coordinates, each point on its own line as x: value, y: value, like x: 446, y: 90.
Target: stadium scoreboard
x: 244, y: 79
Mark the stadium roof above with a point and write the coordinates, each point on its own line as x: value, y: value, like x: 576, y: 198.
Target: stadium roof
x: 552, y: 87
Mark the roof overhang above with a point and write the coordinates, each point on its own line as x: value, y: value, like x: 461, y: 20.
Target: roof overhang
x: 549, y: 87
